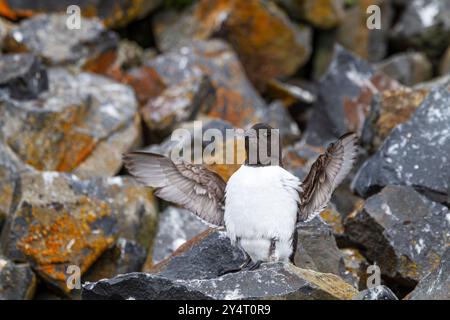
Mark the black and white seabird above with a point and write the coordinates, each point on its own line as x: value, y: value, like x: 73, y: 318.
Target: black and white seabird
x: 261, y: 204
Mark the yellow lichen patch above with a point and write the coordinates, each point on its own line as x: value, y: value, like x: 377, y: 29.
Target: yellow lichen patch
x: 327, y: 282
x: 60, y: 236
x: 334, y: 219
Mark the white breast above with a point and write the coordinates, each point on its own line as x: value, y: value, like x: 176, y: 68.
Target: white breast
x: 261, y: 203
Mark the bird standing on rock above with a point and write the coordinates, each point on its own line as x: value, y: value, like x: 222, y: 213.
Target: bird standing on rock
x: 261, y: 204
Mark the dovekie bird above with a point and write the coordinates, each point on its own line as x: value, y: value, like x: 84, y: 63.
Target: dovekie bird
x: 261, y: 204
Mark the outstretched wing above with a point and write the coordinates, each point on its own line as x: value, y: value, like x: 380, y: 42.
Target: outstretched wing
x: 191, y: 186
x: 325, y: 175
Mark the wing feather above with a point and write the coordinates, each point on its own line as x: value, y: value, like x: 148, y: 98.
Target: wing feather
x: 193, y: 187
x: 327, y: 172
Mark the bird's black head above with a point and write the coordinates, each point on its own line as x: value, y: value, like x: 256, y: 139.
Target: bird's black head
x: 262, y: 146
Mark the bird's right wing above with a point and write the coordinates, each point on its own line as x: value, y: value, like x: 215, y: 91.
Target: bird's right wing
x: 325, y: 175
x: 191, y: 186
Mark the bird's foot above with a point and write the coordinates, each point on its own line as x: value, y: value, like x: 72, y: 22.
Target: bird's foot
x: 248, y: 265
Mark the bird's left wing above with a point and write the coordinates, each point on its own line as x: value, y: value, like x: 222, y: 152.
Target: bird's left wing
x: 325, y: 175
x: 193, y: 187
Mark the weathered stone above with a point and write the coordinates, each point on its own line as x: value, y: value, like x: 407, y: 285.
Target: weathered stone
x: 355, y: 35
x: 236, y: 100
x: 271, y: 281
x: 175, y: 227
x: 415, y: 153
x: 124, y: 257
x: 345, y: 93
x: 270, y: 47
x: 17, y: 281
x: 114, y: 13
x: 402, y: 232
x: 61, y: 220
x: 389, y: 109
x: 321, y: 14
x: 376, y: 293
x: 63, y: 127
x: 5, y: 27
x: 56, y: 44
x: 179, y: 103
x: 22, y: 76
x: 435, y: 285
x: 444, y: 66
x: 317, y: 249
x: 355, y: 268
x: 436, y: 82
x: 424, y: 25
x: 407, y: 68
x: 298, y: 158
x: 277, y: 116
x: 289, y: 93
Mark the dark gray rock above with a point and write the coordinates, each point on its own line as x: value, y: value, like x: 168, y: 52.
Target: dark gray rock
x: 277, y: 116
x: 17, y: 281
x: 415, y: 153
x: 48, y: 37
x: 344, y: 97
x: 376, y: 293
x: 175, y: 227
x: 23, y: 76
x: 435, y: 285
x: 271, y: 281
x: 407, y: 68
x: 124, y: 257
x: 67, y: 125
x: 401, y: 231
x: 424, y: 25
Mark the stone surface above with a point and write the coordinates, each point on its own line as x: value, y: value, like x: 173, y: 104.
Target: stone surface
x: 444, y: 66
x: 402, y: 232
x: 270, y: 47
x: 289, y: 93
x: 424, y: 25
x: 124, y: 257
x: 407, y: 68
x: 236, y: 100
x: 355, y: 268
x: 389, y: 109
x: 435, y: 285
x: 320, y: 13
x: 271, y: 281
x: 114, y: 13
x: 179, y: 103
x: 22, y: 76
x: 353, y: 33
x: 56, y: 44
x: 277, y: 116
x: 61, y: 220
x: 175, y: 227
x: 415, y: 153
x: 63, y: 127
x: 317, y: 249
x: 345, y: 93
x: 17, y: 281
x: 376, y: 293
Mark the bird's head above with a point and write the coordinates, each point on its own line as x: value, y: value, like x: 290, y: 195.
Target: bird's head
x: 262, y: 145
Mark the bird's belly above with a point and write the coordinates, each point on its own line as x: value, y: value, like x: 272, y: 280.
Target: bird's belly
x: 261, y: 221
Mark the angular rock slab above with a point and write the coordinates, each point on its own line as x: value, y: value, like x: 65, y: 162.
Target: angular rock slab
x: 345, y: 93
x: 423, y: 25
x: 61, y: 220
x: 271, y: 281
x: 175, y: 227
x: 17, y: 281
x: 416, y: 153
x: 114, y: 13
x: 124, y: 257
x: 48, y: 37
x: 376, y: 293
x: 403, y: 232
x: 269, y: 47
x: 23, y: 76
x: 435, y: 285
x: 64, y: 126
x: 389, y: 109
x: 235, y: 101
